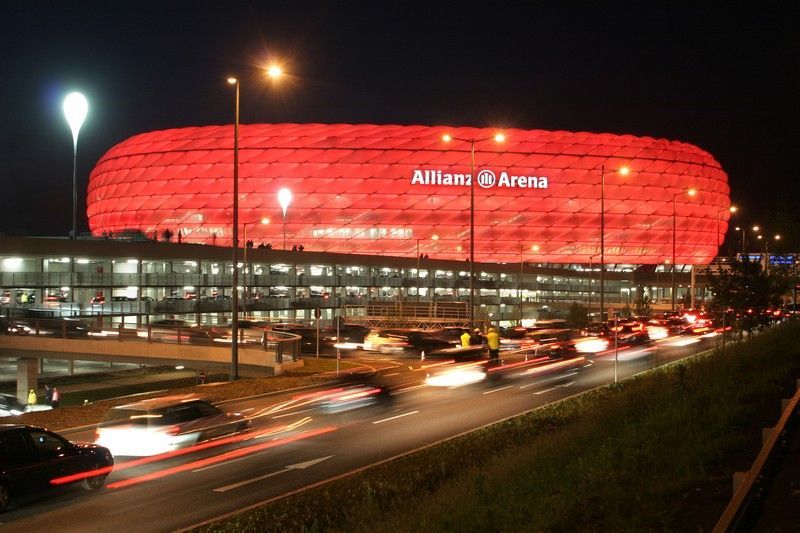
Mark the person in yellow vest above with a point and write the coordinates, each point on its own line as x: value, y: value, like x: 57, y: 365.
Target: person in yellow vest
x: 465, y: 339
x: 493, y: 342
x: 32, y: 397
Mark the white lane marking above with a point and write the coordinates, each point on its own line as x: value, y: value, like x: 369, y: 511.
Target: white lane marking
x: 294, y: 413
x: 392, y: 374
x: 562, y: 385
x: 395, y: 417
x: 411, y: 388
x: 297, y: 466
x: 498, y: 389
x: 250, y: 456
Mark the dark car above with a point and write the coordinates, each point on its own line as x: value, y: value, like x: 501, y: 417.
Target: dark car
x: 631, y: 333
x: 33, y: 460
x: 308, y: 340
x: 10, y: 406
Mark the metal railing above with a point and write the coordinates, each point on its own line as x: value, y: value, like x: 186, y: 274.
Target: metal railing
x: 753, y: 483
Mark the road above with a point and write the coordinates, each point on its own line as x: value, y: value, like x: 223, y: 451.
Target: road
x: 181, y: 491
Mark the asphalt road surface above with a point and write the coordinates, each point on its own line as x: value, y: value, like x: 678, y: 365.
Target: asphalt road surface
x: 295, y: 443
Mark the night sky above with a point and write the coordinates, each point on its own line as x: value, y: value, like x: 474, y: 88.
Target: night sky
x: 725, y: 79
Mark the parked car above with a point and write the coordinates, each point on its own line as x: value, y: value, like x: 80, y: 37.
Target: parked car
x: 161, y: 425
x: 10, y: 406
x: 34, y: 460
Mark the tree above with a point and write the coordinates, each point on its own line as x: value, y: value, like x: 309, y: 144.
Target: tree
x: 746, y: 289
x: 578, y: 315
x: 643, y: 306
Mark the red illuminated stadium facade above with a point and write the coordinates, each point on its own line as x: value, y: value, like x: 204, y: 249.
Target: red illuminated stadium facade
x: 402, y: 190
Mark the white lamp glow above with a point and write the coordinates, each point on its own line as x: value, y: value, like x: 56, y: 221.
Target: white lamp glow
x: 75, y: 109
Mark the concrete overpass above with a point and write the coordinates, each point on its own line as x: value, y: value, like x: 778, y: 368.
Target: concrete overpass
x: 272, y: 359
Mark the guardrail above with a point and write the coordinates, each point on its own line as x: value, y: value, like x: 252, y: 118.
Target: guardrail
x: 751, y: 486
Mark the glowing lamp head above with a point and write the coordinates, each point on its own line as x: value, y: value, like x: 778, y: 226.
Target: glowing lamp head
x: 756, y: 228
x: 232, y: 80
x: 624, y: 171
x: 447, y: 137
x: 435, y: 237
x: 777, y: 237
x: 265, y: 220
x: 284, y: 199
x: 499, y: 138
x: 733, y: 209
x: 691, y: 192
x: 535, y: 248
x: 75, y: 109
x: 274, y: 72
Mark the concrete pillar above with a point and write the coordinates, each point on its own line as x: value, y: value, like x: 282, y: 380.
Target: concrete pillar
x: 71, y: 367
x: 27, y: 377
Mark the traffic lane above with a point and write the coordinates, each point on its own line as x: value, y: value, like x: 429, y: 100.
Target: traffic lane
x: 168, y: 503
x: 440, y: 413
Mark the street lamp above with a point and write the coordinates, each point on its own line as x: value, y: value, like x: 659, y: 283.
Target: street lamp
x: 273, y: 72
x: 732, y: 209
x: 75, y: 109
x: 690, y: 192
x: 499, y: 137
x: 284, y: 199
x: 623, y: 171
x: 265, y: 221
x: 739, y: 228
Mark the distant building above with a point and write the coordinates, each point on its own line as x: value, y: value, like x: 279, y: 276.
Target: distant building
x: 403, y: 191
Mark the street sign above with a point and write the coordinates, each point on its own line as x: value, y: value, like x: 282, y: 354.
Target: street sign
x: 317, y: 313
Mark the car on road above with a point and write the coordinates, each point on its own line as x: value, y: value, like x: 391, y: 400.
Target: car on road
x: 249, y: 332
x: 11, y: 406
x: 165, y: 424
x: 34, y: 460
x: 176, y: 330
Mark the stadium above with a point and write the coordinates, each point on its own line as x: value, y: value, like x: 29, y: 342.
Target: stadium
x: 398, y: 190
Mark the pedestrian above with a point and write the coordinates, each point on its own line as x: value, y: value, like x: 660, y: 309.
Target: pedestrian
x: 493, y: 341
x: 465, y: 338
x: 476, y: 339
x: 48, y: 395
x: 56, y: 400
x: 32, y: 397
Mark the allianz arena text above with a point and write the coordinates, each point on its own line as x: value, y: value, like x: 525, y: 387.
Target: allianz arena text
x: 403, y: 190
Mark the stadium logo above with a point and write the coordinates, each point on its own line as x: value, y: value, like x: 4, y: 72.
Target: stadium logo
x: 487, y: 179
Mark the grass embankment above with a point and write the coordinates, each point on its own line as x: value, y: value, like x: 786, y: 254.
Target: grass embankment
x: 656, y: 452
x: 312, y: 372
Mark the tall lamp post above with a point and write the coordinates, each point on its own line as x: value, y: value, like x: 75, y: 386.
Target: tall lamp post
x: 273, y: 72
x: 264, y: 220
x: 623, y: 171
x: 690, y: 192
x: 732, y: 209
x: 234, y: 372
x: 75, y: 110
x: 472, y: 178
x: 284, y: 199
